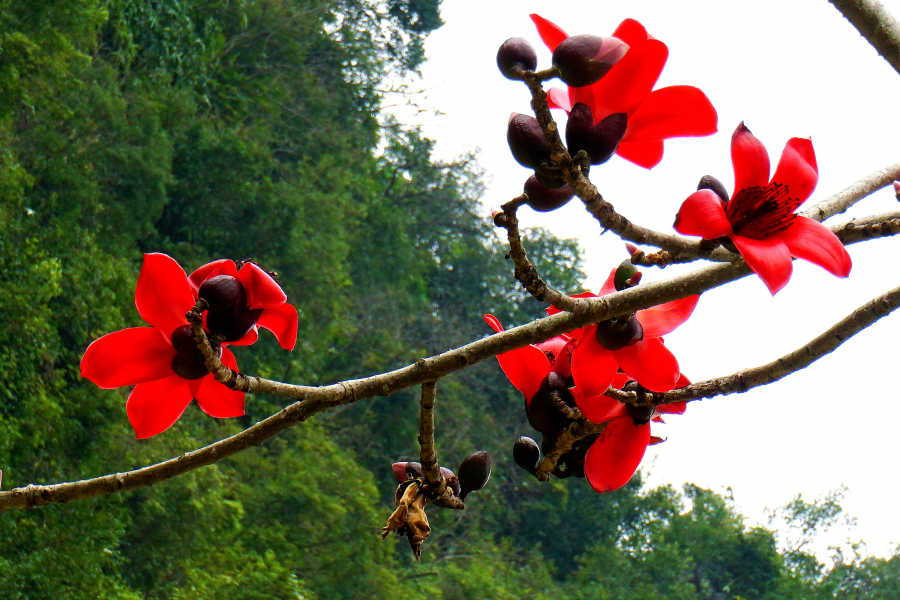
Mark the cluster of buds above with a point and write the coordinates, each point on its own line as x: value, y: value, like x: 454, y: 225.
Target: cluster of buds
x: 413, y: 495
x: 579, y: 61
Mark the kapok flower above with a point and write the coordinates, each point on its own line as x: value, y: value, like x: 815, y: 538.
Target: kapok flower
x: 760, y: 217
x: 652, y: 115
x: 616, y: 454
x: 645, y: 358
x: 239, y: 301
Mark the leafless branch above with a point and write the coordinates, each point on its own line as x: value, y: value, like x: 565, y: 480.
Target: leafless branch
x: 876, y: 24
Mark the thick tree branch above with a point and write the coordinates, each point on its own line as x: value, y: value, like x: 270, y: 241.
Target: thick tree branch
x: 875, y: 24
x: 525, y: 271
x: 312, y: 400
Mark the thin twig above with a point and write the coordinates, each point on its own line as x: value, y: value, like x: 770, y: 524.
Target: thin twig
x: 525, y: 271
x: 844, y: 199
x: 427, y: 454
x: 563, y: 442
x: 875, y: 24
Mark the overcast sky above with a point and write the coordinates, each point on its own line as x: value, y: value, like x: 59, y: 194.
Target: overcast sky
x: 787, y: 69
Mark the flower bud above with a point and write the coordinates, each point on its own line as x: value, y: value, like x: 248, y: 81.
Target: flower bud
x: 516, y: 56
x: 399, y: 469
x: 222, y: 292
x: 414, y: 470
x: 625, y: 272
x: 585, y: 59
x: 641, y: 415
x: 234, y: 323
x: 616, y: 334
x: 897, y: 189
x: 548, y: 180
x: 526, y: 141
x: 708, y: 182
x: 599, y: 141
x: 188, y: 363
x: 474, y: 472
x: 452, y: 481
x: 526, y: 454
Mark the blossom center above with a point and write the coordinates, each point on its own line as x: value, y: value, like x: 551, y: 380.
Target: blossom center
x: 759, y: 212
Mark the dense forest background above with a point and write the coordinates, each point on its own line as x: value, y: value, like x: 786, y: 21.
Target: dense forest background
x: 253, y: 129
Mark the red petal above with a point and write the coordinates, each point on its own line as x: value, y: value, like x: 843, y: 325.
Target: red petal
x: 262, y: 290
x: 552, y: 310
x: 282, y: 321
x: 217, y: 400
x: 223, y: 266
x: 494, y: 323
x: 797, y: 169
x: 676, y: 111
x: 649, y: 363
x: 703, y: 214
x: 620, y: 380
x: 609, y: 286
x: 155, y: 405
x: 750, y: 160
x: 629, y: 82
x: 614, y: 457
x: 632, y: 32
x: 163, y: 294
x: 128, y: 357
x: 551, y: 33
x: 682, y: 382
x: 770, y: 259
x: 814, y: 242
x: 665, y: 318
x: 557, y: 98
x: 598, y: 409
x: 593, y: 366
x: 247, y: 340
x: 643, y: 154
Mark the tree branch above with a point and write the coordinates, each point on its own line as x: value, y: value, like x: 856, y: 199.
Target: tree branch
x: 312, y: 400
x: 437, y: 490
x: 525, y: 271
x: 875, y: 24
x: 843, y: 200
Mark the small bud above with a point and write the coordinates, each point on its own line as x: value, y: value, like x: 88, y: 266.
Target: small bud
x: 452, y: 481
x: 897, y: 189
x: 631, y: 248
x: 641, y: 415
x: 542, y: 199
x: 616, y: 334
x: 633, y: 280
x: 600, y: 141
x: 222, y: 292
x: 549, y: 180
x: 474, y: 472
x: 526, y: 141
x: 516, y: 56
x: 234, y: 323
x: 585, y: 59
x: 624, y: 273
x: 708, y: 182
x: 414, y: 470
x: 542, y: 413
x: 526, y: 454
x: 399, y: 469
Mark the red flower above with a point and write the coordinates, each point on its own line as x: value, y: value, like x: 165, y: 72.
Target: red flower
x: 160, y: 361
x: 760, y: 217
x: 647, y: 361
x: 653, y: 116
x: 614, y: 457
x: 529, y: 366
x: 262, y: 294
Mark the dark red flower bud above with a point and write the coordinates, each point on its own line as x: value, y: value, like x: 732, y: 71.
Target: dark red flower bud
x: 222, y: 292
x: 543, y: 411
x: 516, y: 56
x: 474, y: 472
x: 414, y: 470
x: 188, y: 363
x: 549, y: 181
x: 526, y: 141
x: 897, y: 189
x: 616, y: 334
x: 526, y: 454
x: 452, y: 481
x: 233, y: 323
x: 708, y: 182
x: 625, y: 272
x: 641, y: 415
x: 543, y: 199
x: 585, y: 59
x: 399, y: 469
x: 599, y: 141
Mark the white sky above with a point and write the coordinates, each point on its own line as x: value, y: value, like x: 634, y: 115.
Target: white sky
x: 787, y: 69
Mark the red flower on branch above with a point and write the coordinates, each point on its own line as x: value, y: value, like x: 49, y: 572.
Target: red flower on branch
x: 616, y: 454
x: 760, y: 217
x: 652, y: 115
x: 251, y: 299
x: 644, y: 357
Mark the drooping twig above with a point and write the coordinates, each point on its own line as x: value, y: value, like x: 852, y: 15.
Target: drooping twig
x: 437, y: 490
x: 313, y: 400
x: 525, y: 271
x: 876, y: 24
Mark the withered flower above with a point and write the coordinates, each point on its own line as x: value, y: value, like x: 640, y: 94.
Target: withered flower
x: 409, y: 519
